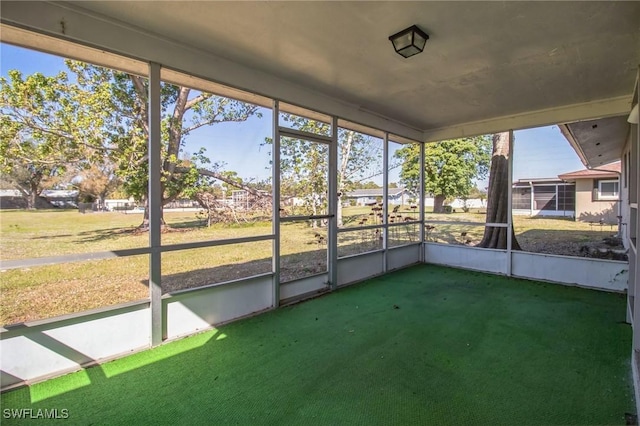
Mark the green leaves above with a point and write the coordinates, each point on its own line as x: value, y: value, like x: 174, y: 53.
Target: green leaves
x: 49, y: 125
x: 450, y: 166
x: 99, y: 117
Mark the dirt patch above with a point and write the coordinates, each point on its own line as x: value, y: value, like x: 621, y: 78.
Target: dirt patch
x: 606, y: 248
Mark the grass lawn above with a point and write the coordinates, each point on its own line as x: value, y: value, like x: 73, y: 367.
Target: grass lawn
x: 535, y: 234
x: 425, y: 345
x: 46, y: 291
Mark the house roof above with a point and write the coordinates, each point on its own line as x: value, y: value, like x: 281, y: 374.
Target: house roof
x: 611, y: 170
x: 376, y: 192
x: 528, y: 181
x: 487, y: 66
x: 60, y: 193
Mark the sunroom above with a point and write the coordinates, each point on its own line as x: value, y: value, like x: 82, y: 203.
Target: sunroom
x: 323, y: 73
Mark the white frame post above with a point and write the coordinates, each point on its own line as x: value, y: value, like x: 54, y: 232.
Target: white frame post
x: 385, y: 201
x: 635, y: 280
x: 333, y: 200
x: 275, y: 194
x: 510, y: 204
x: 531, y: 201
x: 421, y: 198
x: 155, y: 205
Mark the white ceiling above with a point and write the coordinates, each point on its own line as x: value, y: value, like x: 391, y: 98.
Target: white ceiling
x: 483, y: 60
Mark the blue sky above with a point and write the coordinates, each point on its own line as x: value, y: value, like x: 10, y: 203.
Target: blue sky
x: 538, y: 153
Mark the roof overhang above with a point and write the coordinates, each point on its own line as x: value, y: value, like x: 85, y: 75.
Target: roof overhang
x: 601, y: 141
x: 597, y: 142
x: 602, y: 175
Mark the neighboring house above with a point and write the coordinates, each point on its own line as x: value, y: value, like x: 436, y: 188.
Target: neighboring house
x: 597, y: 193
x: 66, y: 199
x: 589, y: 195
x: 119, y: 204
x: 49, y: 198
x: 544, y: 197
x: 367, y: 196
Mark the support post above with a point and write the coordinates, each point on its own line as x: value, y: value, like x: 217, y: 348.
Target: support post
x: 421, y: 198
x: 633, y: 234
x: 155, y: 205
x: 385, y: 199
x: 275, y: 203
x: 532, y: 200
x: 332, y: 238
x: 510, y: 204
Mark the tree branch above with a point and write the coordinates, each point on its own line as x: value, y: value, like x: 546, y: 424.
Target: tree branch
x: 201, y: 97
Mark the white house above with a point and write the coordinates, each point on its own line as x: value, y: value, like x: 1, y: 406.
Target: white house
x: 543, y: 197
x: 363, y: 197
x: 597, y: 193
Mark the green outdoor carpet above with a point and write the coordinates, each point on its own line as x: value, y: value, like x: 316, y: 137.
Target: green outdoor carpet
x: 425, y: 345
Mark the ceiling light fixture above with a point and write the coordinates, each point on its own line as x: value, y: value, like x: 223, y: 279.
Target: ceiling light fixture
x: 409, y: 42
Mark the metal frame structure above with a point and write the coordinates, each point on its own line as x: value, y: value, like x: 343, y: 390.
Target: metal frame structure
x: 193, y: 308
x: 155, y: 204
x: 385, y: 201
x: 334, y: 199
x: 509, y: 203
x: 275, y: 211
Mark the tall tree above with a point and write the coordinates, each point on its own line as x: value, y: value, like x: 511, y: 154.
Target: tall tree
x: 46, y: 125
x: 498, y: 196
x: 183, y: 111
x: 304, y: 165
x: 31, y: 176
x: 359, y: 159
x: 105, y: 112
x: 450, y: 167
x: 304, y: 169
x: 96, y: 181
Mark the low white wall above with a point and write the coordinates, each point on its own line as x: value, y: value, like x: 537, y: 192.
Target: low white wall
x: 304, y: 286
x: 401, y: 257
x: 200, y: 309
x: 600, y: 274
x: 479, y: 259
x: 359, y: 267
x: 609, y: 275
x: 37, y: 351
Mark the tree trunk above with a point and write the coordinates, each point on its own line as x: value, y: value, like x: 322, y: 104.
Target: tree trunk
x: 438, y: 204
x: 345, y: 153
x: 498, y: 196
x: 32, y: 200
x: 314, y: 211
x: 144, y: 226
